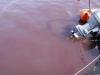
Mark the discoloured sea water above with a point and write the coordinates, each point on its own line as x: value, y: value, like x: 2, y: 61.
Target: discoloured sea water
x: 34, y: 37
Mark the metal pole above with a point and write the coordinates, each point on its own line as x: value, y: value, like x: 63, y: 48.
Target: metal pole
x: 89, y: 5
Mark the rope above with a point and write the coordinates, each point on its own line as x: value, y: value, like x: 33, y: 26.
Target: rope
x: 87, y: 65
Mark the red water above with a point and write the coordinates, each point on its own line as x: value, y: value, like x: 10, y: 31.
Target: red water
x: 33, y: 37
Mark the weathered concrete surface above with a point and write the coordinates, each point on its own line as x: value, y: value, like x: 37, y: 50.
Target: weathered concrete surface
x: 33, y: 37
